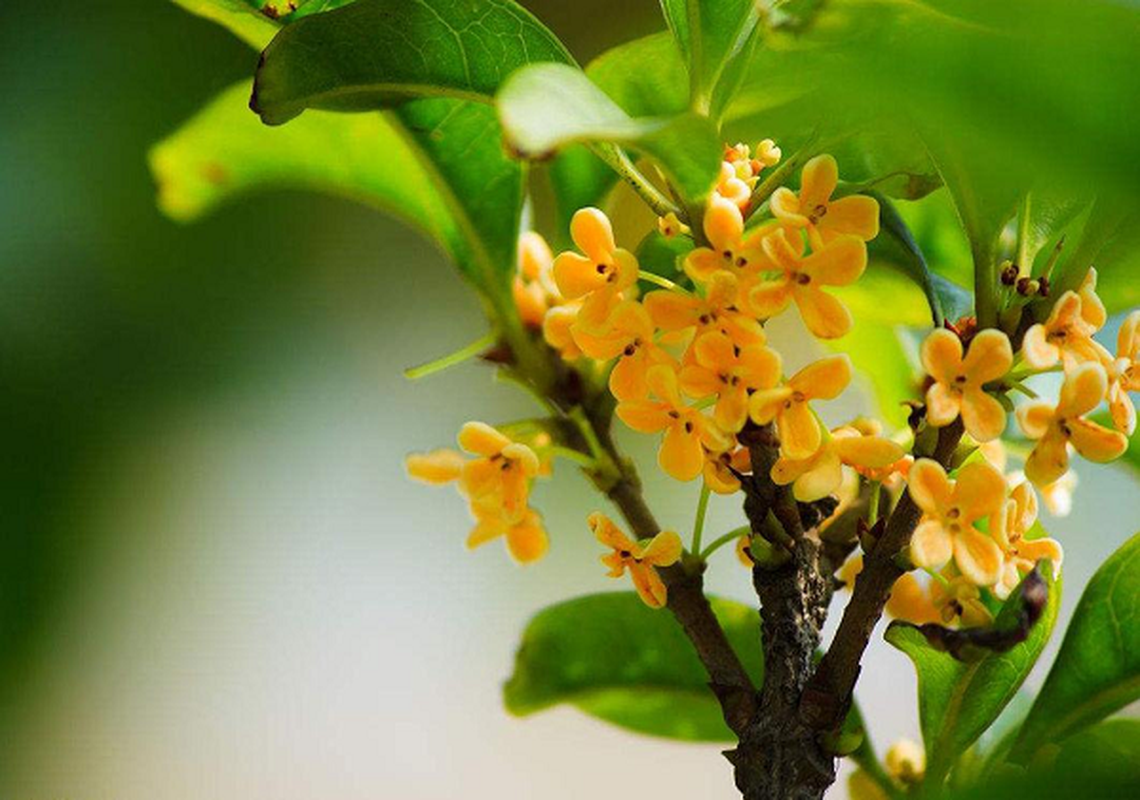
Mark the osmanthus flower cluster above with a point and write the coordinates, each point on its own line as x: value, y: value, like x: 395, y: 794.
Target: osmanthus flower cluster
x: 690, y: 362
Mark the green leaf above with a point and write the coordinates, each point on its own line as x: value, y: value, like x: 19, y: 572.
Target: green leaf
x: 436, y: 161
x: 239, y: 17
x: 1109, y: 748
x: 630, y: 665
x: 714, y: 36
x: 1111, y: 242
x: 375, y: 53
x: 1097, y: 670
x: 647, y: 78
x: 957, y: 701
x: 896, y: 246
x: 224, y: 152
x: 545, y: 107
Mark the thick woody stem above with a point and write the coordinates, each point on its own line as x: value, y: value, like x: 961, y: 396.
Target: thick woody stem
x: 779, y: 755
x: 829, y: 694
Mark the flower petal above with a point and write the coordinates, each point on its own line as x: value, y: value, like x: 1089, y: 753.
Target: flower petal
x: 818, y: 181
x: 714, y: 351
x: 527, y: 541
x: 1095, y: 442
x: 978, y: 557
x: 824, y: 379
x: 481, y: 439
x: 576, y: 276
x: 760, y: 366
x: 644, y: 416
x: 769, y: 298
x: 990, y: 356
x: 681, y: 455
x: 664, y: 550
x: 929, y: 487
x: 1035, y: 417
x: 649, y: 585
x: 943, y: 405
x: 671, y: 311
x: 856, y: 214
x: 1082, y: 390
x: 979, y: 490
x: 1049, y: 459
x: 799, y: 432
x: 437, y: 467
x: 766, y: 403
x: 628, y: 378
x: 1039, y: 353
x: 941, y: 355
x: 930, y: 546
x: 591, y: 230
x: 608, y: 533
x: 983, y: 416
x: 486, y: 529
x: 785, y: 205
x: 697, y: 381
x: 839, y: 263
x: 867, y: 451
x: 821, y: 480
x: 723, y: 223
x: 824, y: 315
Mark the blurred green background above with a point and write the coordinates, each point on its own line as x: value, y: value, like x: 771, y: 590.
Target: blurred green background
x: 214, y: 579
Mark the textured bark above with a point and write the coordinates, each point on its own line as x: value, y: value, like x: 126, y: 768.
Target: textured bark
x: 779, y: 755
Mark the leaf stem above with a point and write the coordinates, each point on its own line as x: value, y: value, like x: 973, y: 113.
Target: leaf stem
x: 721, y: 541
x: 699, y: 522
x: 664, y: 283
x: 624, y: 166
x: 450, y: 360
x: 573, y: 455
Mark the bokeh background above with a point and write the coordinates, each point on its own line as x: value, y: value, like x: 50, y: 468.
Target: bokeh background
x: 215, y: 581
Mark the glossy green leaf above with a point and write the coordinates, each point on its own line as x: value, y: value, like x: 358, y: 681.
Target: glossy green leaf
x: 1111, y: 242
x: 895, y: 245
x: 1097, y: 670
x: 545, y: 107
x: 375, y: 53
x: 437, y: 162
x: 714, y: 36
x: 616, y: 659
x: 957, y: 701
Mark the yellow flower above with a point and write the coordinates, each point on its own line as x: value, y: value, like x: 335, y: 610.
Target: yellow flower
x: 601, y: 275
x: 821, y: 473
x: 787, y: 405
x: 730, y: 249
x: 1056, y: 427
x: 717, y: 311
x: 732, y: 186
x: 670, y: 226
x: 719, y: 469
x: 1124, y: 375
x: 767, y: 154
x: 663, y: 550
x: 1009, y: 527
x: 629, y: 336
x: 500, y: 476
x: 526, y: 537
x: 839, y: 263
x: 687, y: 432
x: 1058, y: 495
x: 1092, y: 308
x: 534, y: 289
x: 558, y: 327
x: 437, y: 467
x: 950, y: 509
x: 958, y: 382
x: 824, y: 218
x: 1066, y: 336
x: 960, y: 600
x: 906, y: 762
x: 721, y: 368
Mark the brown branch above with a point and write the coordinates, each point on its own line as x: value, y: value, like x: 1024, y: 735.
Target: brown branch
x: 828, y: 695
x: 728, y: 679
